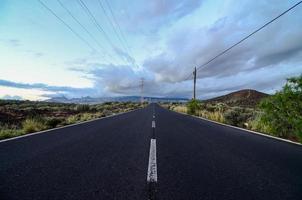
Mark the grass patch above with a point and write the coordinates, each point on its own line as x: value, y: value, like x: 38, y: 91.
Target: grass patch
x: 10, y: 132
x: 33, y: 125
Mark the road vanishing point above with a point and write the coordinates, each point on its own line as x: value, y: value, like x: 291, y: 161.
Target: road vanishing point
x: 150, y: 153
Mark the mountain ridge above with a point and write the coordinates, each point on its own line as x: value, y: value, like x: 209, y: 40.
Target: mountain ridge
x: 96, y: 100
x: 245, y: 97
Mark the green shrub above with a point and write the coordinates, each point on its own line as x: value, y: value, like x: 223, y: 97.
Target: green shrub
x: 237, y: 116
x: 82, y: 117
x: 82, y: 108
x: 282, y: 112
x: 33, y: 125
x: 193, y: 106
x: 10, y: 132
x: 73, y: 119
x: 210, y: 107
x: 180, y: 108
x: 87, y: 116
x: 216, y: 116
x: 53, y: 122
x: 107, y: 113
x: 221, y: 107
x: 256, y: 124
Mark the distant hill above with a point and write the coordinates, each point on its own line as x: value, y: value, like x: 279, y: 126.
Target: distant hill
x: 92, y: 100
x: 249, y: 98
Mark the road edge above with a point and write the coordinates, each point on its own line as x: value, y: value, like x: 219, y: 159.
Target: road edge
x: 238, y: 128
x: 70, y: 125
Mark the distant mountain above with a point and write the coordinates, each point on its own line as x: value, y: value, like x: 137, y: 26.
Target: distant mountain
x: 92, y: 100
x: 246, y: 97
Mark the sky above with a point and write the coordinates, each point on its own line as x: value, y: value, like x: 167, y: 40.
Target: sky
x: 101, y: 48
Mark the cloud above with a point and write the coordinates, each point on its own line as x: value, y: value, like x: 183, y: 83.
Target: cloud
x: 68, y: 91
x: 120, y: 79
x: 14, y: 97
x: 112, y: 80
x: 14, y: 42
x: 269, y: 56
x: 168, y: 8
x: 38, y: 54
x: 125, y: 55
x: 267, y: 51
x: 173, y: 39
x: 271, y: 49
x: 11, y: 42
x: 152, y: 15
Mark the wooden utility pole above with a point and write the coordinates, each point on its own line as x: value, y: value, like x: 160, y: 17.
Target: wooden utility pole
x: 142, y: 90
x: 194, y: 74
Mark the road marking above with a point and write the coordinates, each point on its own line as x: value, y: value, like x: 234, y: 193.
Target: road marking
x: 152, y: 166
x: 153, y: 124
x: 153, y: 116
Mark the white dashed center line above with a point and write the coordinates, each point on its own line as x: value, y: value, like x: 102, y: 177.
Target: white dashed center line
x: 152, y: 166
x: 153, y: 124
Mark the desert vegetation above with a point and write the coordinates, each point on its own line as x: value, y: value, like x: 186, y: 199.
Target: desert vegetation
x: 279, y: 114
x: 23, y: 117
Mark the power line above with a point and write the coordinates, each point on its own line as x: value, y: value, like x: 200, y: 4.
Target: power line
x: 188, y: 77
x: 118, y: 26
x: 96, y: 23
x: 99, y: 27
x: 83, y: 27
x: 246, y: 37
x: 122, y: 38
x: 69, y: 27
x: 112, y: 25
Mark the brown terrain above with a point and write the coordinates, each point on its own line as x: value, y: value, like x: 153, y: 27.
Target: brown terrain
x: 246, y: 98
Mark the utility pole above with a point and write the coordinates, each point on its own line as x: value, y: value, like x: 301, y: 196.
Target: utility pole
x: 194, y: 92
x: 142, y: 90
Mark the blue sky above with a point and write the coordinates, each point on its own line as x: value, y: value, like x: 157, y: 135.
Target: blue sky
x: 159, y: 40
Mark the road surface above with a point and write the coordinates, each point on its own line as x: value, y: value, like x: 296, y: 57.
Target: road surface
x: 150, y: 153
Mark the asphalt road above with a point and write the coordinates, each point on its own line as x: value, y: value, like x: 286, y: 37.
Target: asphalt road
x: 110, y: 159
